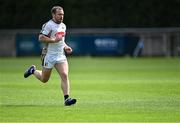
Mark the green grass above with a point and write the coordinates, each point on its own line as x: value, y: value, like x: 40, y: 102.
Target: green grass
x: 107, y: 90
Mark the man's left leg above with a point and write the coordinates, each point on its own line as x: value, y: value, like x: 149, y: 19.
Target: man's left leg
x: 62, y: 69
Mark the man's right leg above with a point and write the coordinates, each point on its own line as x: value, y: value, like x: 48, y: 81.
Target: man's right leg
x: 43, y: 75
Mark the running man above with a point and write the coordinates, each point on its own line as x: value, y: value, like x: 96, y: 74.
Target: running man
x: 53, y: 54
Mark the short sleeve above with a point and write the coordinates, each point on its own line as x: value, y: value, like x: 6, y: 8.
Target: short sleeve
x: 45, y: 29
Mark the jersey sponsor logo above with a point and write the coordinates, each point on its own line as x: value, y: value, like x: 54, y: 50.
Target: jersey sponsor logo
x: 61, y: 34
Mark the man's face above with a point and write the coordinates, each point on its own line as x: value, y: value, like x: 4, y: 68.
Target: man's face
x: 58, y: 16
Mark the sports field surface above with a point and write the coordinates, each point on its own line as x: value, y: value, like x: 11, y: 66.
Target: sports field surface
x: 107, y: 89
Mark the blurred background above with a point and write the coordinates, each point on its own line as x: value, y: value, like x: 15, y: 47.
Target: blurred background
x: 94, y: 27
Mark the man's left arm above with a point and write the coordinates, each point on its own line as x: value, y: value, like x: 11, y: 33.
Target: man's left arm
x: 67, y: 49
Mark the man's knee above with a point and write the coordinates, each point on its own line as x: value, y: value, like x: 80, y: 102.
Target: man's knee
x: 64, y: 76
x: 45, y: 75
x: 44, y: 80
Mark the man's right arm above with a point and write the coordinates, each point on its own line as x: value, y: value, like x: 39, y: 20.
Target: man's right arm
x: 46, y: 39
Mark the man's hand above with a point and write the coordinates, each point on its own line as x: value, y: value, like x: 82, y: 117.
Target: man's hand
x: 68, y: 49
x: 58, y: 38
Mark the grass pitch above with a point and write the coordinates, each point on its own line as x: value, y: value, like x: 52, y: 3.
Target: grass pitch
x: 107, y: 90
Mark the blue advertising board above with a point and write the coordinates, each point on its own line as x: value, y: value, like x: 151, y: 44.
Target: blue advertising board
x: 102, y: 45
x: 94, y: 45
x: 28, y: 45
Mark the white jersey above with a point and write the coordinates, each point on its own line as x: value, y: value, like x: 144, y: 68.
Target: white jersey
x: 51, y: 29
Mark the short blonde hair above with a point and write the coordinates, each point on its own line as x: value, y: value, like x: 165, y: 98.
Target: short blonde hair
x: 54, y: 8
